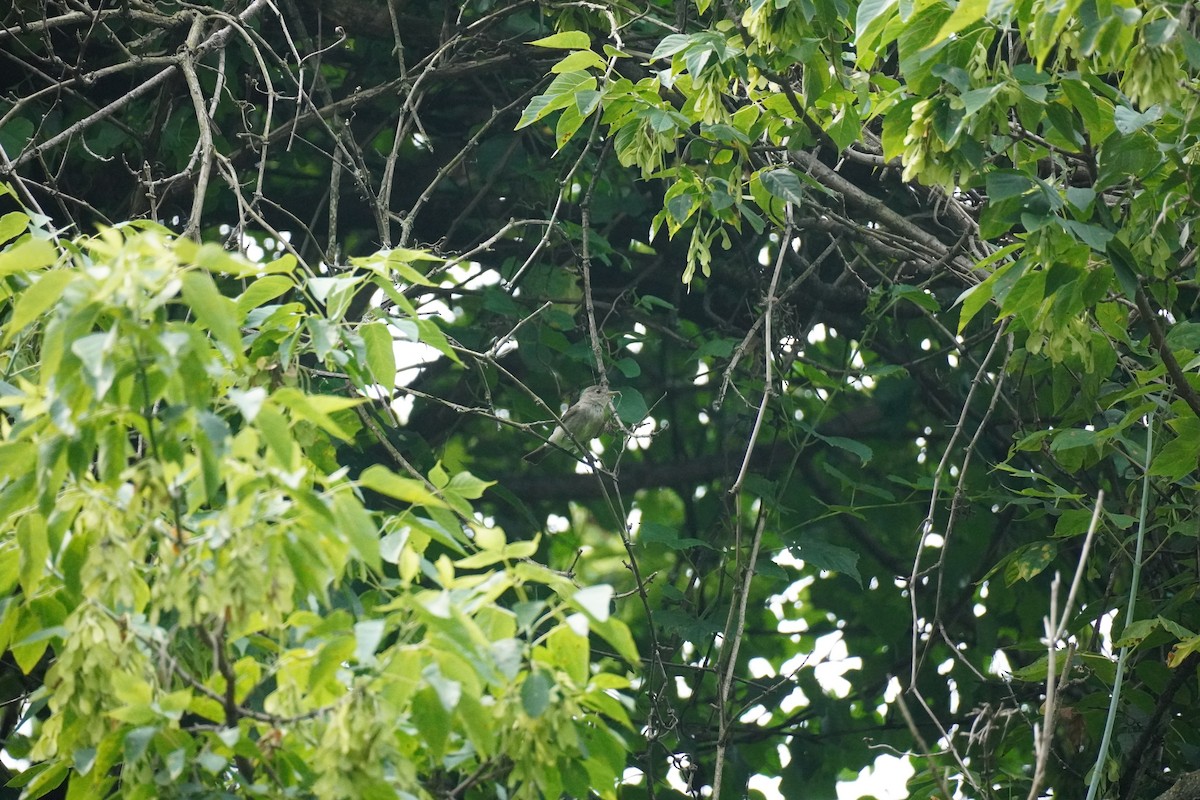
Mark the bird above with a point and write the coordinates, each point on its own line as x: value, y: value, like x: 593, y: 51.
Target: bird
x: 583, y: 422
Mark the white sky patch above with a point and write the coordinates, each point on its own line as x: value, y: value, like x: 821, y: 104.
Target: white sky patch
x: 797, y: 699
x: 761, y: 668
x: 402, y: 407
x: 886, y: 780
x: 473, y: 275
x: 768, y: 786
x: 829, y: 673
x: 675, y: 777
x: 765, y: 258
x: 755, y: 715
x: 643, y: 434
x: 1000, y: 665
x: 1106, y: 638
x: 269, y: 250
x: 635, y: 344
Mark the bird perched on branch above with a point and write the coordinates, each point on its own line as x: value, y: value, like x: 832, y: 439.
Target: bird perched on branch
x: 583, y: 422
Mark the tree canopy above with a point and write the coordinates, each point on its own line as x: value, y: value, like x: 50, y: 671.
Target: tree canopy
x: 896, y: 299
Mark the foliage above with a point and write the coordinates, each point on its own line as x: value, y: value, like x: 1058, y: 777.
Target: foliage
x: 893, y: 291
x: 209, y: 607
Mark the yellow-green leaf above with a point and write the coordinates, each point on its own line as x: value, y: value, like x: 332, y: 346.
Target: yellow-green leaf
x: 566, y: 40
x: 262, y: 290
x: 580, y: 59
x: 379, y: 478
x: 381, y: 354
x: 317, y: 408
x: 214, y: 311
x: 36, y: 299
x: 13, y: 224
x: 968, y: 13
x: 35, y: 549
x: 29, y: 255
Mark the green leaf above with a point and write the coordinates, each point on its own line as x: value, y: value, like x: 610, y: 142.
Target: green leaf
x: 214, y: 258
x: 466, y: 485
x: 535, y: 693
x: 721, y: 348
x: 630, y: 406
x: 658, y: 533
x: 278, y: 435
x: 35, y: 549
x: 35, y: 300
x: 367, y: 636
x: 381, y: 355
x: 1072, y: 522
x: 1074, y: 437
x: 579, y: 60
x: 1124, y: 158
x: 1180, y: 456
x: 859, y: 449
x: 1128, y: 120
x: 45, y: 780
x: 1029, y: 561
x: 317, y: 408
x: 915, y: 295
x: 12, y: 225
x: 976, y: 99
x: 1135, y: 632
x: 629, y: 367
x: 262, y: 290
x: 825, y: 556
x: 433, y: 336
x: 1182, y: 650
x: 217, y: 313
x: 379, y: 478
x: 358, y: 527
x: 784, y: 184
x: 564, y: 40
x: 27, y: 256
x: 967, y: 13
x: 670, y: 45
x: 137, y: 740
x: 1184, y: 336
x: 868, y: 20
x: 559, y: 94
x: 1005, y: 183
x: 335, y: 293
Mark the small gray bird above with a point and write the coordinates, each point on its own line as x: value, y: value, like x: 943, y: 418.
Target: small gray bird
x: 585, y: 420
